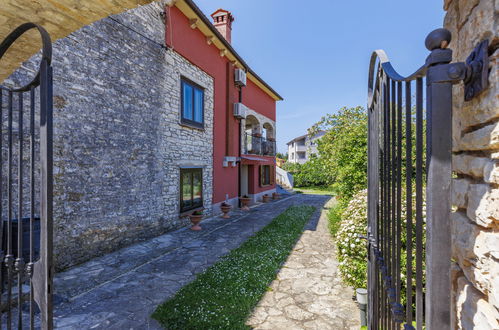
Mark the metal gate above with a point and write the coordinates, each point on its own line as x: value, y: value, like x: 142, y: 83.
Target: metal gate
x: 409, y: 153
x: 26, y: 267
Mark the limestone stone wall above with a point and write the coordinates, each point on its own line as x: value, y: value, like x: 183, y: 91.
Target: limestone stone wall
x: 118, y: 141
x: 475, y: 221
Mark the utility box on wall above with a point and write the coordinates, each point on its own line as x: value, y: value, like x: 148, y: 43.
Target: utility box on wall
x: 240, y: 110
x: 240, y: 77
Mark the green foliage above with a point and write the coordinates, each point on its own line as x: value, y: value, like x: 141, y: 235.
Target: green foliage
x: 334, y: 218
x: 292, y: 168
x: 352, y: 251
x: 312, y: 173
x: 312, y: 190
x: 343, y: 150
x: 342, y: 154
x: 281, y: 155
x: 224, y: 295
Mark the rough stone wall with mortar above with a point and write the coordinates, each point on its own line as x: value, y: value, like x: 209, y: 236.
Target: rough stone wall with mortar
x: 475, y: 221
x: 118, y: 141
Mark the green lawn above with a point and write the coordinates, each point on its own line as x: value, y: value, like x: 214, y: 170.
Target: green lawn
x: 314, y: 190
x: 224, y: 295
x: 334, y: 218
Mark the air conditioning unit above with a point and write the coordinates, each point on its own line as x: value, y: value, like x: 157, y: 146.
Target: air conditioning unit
x: 240, y: 77
x: 240, y: 110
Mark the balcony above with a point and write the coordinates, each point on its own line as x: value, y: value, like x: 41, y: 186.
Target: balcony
x: 300, y: 148
x: 257, y: 145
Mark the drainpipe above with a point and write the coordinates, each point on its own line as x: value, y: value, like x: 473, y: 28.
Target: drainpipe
x: 239, y: 148
x: 361, y: 295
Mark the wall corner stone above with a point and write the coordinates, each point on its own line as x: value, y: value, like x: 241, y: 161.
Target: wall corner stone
x: 475, y: 190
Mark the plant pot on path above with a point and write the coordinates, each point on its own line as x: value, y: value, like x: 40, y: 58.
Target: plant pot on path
x: 196, y: 218
x: 266, y: 198
x: 275, y: 195
x: 245, y: 202
x: 225, y: 210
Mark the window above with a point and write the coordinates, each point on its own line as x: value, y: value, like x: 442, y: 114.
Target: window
x: 191, y: 188
x: 192, y: 104
x: 266, y: 175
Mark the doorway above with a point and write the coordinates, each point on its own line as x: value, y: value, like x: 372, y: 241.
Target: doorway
x: 244, y: 180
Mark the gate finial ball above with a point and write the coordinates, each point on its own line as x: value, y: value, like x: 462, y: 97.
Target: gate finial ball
x: 439, y: 38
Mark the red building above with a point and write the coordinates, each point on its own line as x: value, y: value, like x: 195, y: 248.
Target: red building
x: 244, y: 104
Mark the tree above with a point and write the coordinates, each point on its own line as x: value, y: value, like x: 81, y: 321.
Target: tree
x: 342, y: 151
x: 281, y: 155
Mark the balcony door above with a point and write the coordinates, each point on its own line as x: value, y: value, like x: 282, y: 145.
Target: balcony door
x: 244, y: 180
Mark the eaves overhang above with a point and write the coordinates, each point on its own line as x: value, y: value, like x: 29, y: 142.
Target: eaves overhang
x: 201, y: 22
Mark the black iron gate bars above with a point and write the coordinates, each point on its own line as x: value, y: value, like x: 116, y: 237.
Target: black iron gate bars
x: 398, y: 175
x: 26, y: 194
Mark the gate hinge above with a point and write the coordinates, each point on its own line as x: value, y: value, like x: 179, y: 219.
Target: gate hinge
x: 478, y: 79
x: 474, y: 72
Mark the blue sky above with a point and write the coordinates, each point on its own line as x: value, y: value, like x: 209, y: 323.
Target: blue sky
x: 317, y: 56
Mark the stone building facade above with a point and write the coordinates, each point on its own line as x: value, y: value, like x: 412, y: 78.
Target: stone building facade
x: 475, y: 220
x: 119, y: 144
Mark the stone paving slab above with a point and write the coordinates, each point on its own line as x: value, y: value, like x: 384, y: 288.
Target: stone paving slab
x: 122, y: 289
x: 308, y: 293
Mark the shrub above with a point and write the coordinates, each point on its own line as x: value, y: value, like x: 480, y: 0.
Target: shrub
x: 312, y: 173
x: 334, y: 218
x: 352, y: 251
x: 343, y: 150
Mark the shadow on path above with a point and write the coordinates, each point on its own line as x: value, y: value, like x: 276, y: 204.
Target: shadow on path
x: 122, y: 289
x: 308, y: 293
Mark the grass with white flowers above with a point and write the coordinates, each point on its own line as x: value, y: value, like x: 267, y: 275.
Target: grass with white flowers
x: 223, y: 296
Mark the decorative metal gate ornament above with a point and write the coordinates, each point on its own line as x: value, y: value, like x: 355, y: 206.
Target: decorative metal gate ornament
x: 393, y: 164
x: 26, y: 200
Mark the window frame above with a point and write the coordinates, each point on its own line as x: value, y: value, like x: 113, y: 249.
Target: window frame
x: 192, y: 171
x: 271, y: 181
x: 194, y: 86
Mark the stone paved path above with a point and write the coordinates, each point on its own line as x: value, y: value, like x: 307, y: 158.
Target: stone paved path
x: 308, y: 293
x: 122, y: 289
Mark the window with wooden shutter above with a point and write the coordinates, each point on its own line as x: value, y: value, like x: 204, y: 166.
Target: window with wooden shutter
x: 266, y: 175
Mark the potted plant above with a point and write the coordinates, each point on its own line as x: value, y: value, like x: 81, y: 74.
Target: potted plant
x: 266, y: 198
x: 196, y: 217
x: 225, y: 207
x: 245, y: 201
x: 275, y: 195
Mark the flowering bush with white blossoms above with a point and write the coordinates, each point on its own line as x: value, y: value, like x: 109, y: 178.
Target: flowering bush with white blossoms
x: 352, y: 251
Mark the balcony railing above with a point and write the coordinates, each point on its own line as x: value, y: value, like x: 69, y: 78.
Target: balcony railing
x: 301, y: 147
x: 257, y: 145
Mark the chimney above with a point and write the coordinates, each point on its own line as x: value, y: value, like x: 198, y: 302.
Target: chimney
x: 222, y: 19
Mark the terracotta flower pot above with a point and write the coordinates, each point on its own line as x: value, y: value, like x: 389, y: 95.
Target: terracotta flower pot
x: 275, y: 195
x: 225, y: 210
x: 245, y: 201
x: 266, y: 198
x: 195, y: 220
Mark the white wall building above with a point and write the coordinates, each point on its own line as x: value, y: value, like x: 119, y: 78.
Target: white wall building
x: 300, y: 148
